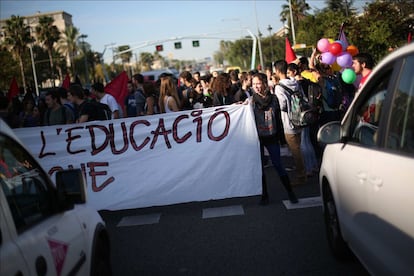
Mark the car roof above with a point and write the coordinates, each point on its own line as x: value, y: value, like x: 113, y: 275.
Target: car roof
x: 402, y: 51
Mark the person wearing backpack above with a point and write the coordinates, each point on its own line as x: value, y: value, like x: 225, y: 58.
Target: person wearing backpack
x: 331, y: 94
x: 270, y: 131
x: 98, y: 89
x: 292, y: 132
x: 88, y: 110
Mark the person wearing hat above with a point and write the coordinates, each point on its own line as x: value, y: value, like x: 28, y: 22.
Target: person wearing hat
x: 98, y: 90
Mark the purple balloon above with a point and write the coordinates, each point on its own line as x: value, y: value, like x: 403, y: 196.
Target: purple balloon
x: 328, y: 58
x: 344, y: 60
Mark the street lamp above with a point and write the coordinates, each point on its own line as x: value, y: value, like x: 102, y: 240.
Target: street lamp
x: 269, y: 28
x: 83, y: 36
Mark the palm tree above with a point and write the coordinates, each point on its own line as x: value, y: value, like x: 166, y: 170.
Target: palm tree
x: 48, y: 34
x: 146, y: 60
x: 17, y: 38
x: 344, y: 7
x: 125, y: 57
x: 68, y: 45
x: 299, y: 11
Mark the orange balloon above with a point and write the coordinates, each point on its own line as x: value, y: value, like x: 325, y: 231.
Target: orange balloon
x: 352, y: 50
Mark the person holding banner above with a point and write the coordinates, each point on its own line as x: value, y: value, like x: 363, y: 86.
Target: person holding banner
x: 270, y: 131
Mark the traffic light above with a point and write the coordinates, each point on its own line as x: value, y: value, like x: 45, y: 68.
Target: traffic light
x: 177, y: 45
x: 159, y: 48
x: 196, y: 43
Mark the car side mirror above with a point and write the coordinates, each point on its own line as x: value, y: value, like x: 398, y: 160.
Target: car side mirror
x: 330, y: 133
x: 71, y: 187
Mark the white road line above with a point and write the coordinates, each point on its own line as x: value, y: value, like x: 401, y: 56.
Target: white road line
x: 304, y: 203
x: 235, y: 210
x: 139, y: 220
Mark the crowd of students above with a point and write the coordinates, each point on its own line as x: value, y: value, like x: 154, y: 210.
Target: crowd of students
x: 315, y: 80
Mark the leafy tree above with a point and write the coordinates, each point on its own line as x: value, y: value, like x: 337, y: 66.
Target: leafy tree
x: 8, y: 69
x: 68, y: 45
x: 48, y: 34
x: 17, y: 38
x: 384, y: 24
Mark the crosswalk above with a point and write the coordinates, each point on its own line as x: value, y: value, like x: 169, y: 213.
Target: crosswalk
x: 208, y: 213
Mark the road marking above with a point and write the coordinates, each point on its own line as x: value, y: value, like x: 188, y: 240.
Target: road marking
x: 235, y: 210
x: 306, y: 202
x: 139, y: 220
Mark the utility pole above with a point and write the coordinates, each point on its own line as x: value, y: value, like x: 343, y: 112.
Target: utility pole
x: 259, y: 34
x: 83, y: 36
x: 292, y: 25
x: 269, y: 28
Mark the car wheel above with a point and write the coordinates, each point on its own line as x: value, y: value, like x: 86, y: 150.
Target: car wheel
x: 333, y: 231
x: 101, y: 263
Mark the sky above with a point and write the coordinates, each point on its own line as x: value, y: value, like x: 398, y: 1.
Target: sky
x: 138, y: 23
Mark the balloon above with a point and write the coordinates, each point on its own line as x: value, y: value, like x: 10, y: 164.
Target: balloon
x: 348, y: 76
x: 335, y: 66
x: 331, y: 40
x: 323, y: 45
x: 335, y: 48
x: 344, y: 59
x: 342, y: 44
x: 328, y: 58
x: 352, y: 49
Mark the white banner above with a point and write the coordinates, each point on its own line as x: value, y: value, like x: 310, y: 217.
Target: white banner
x: 163, y: 159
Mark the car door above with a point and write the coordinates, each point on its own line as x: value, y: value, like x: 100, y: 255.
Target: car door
x: 10, y: 253
x: 50, y: 242
x: 391, y: 182
x: 354, y: 162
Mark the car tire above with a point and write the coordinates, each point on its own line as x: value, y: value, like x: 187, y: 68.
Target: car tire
x: 101, y: 262
x: 336, y: 242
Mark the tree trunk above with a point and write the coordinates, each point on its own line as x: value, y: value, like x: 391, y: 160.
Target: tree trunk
x: 22, y: 72
x: 52, y: 70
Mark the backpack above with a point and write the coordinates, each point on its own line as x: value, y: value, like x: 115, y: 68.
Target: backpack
x: 332, y: 95
x: 301, y: 113
x: 102, y: 111
x: 315, y: 97
x: 266, y: 124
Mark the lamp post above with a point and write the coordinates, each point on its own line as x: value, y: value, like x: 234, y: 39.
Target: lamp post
x: 33, y: 65
x: 269, y: 28
x: 83, y: 36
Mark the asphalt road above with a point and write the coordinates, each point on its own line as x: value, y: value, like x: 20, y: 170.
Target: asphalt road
x: 234, y: 236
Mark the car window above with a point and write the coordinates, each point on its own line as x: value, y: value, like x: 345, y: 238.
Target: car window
x: 24, y: 184
x: 368, y: 114
x: 400, y: 135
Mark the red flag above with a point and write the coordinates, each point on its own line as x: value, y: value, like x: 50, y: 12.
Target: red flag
x: 118, y: 87
x: 13, y: 90
x: 66, y: 82
x: 290, y: 55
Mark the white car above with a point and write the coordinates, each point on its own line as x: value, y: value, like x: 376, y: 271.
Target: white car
x: 46, y: 229
x: 367, y: 173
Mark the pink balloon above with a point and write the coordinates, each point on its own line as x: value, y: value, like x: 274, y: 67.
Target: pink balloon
x: 328, y: 58
x: 344, y: 60
x: 323, y: 45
